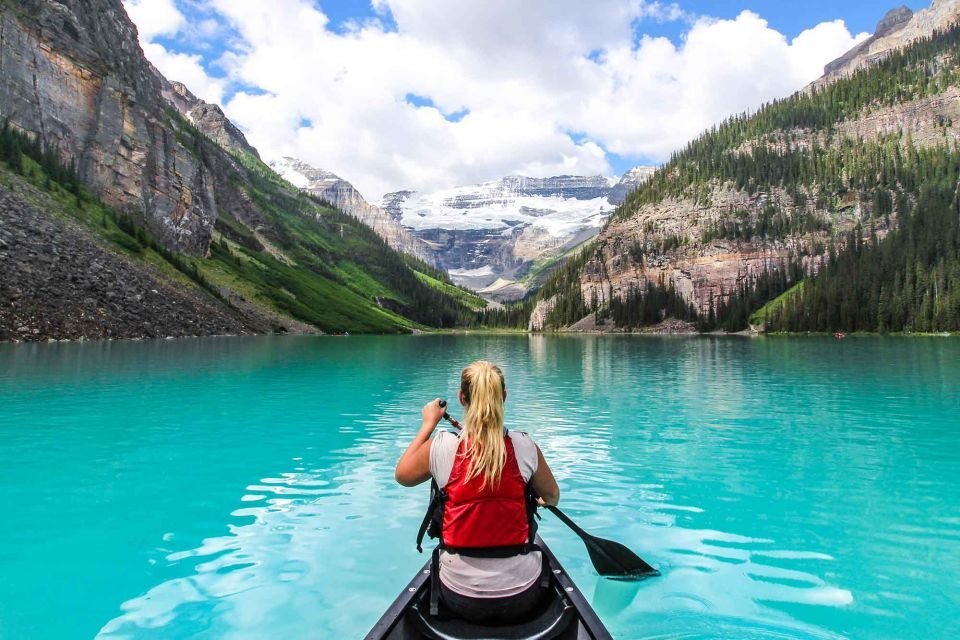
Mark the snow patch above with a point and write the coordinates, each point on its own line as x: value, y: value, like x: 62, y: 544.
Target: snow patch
x: 291, y: 175
x: 472, y: 273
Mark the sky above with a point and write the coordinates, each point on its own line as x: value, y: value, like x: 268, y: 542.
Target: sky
x: 429, y: 94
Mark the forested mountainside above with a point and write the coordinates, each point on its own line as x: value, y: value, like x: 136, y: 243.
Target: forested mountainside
x: 94, y: 133
x: 843, y: 198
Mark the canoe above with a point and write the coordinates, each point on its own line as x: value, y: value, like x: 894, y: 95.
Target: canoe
x: 564, y: 615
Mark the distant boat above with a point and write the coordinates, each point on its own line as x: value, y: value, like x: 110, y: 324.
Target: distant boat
x: 839, y: 335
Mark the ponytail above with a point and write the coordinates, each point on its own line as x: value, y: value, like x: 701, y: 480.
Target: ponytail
x: 483, y: 390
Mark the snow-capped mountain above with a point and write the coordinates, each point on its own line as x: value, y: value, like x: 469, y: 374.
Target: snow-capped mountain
x: 630, y: 181
x: 344, y: 196
x: 493, y: 233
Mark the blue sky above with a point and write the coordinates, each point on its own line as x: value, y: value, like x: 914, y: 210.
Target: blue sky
x: 790, y: 17
x: 455, y: 91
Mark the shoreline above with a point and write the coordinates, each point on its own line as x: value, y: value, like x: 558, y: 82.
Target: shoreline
x: 492, y: 332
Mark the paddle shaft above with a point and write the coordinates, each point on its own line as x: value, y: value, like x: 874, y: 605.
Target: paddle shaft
x: 567, y: 521
x: 446, y: 416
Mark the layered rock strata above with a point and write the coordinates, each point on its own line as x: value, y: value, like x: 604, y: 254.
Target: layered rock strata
x: 72, y: 73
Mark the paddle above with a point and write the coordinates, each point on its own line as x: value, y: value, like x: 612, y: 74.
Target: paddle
x: 610, y: 559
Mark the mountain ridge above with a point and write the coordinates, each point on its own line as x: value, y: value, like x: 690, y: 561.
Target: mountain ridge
x: 780, y: 191
x: 343, y: 195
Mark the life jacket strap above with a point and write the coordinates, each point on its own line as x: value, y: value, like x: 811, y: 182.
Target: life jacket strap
x: 437, y: 498
x: 492, y: 552
x: 435, y: 582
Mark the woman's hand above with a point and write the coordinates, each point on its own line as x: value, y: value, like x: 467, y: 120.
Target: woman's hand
x: 432, y: 412
x: 414, y: 465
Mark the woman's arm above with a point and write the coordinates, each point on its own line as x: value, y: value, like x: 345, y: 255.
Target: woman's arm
x: 414, y: 465
x: 544, y: 483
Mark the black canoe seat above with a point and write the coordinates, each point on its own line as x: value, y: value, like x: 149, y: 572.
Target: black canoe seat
x: 557, y: 620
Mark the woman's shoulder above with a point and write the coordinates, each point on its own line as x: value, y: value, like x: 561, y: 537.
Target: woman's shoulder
x: 445, y: 438
x: 526, y: 451
x: 520, y: 436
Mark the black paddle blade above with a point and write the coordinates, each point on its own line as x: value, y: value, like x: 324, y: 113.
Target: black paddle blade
x: 613, y: 560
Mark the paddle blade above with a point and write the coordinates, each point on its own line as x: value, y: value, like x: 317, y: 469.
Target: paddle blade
x: 614, y: 560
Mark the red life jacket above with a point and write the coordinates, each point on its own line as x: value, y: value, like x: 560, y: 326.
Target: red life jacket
x: 482, y: 517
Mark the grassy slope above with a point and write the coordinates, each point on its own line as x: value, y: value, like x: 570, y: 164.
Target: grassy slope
x: 345, y: 278
x: 464, y: 296
x: 759, y: 317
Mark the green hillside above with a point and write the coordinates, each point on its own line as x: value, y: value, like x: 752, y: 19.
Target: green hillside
x: 865, y: 280
x: 310, y: 262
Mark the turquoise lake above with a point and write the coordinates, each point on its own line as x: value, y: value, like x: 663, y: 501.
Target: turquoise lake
x: 243, y: 488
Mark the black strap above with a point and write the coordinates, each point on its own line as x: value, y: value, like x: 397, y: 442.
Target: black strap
x: 492, y: 552
x: 546, y: 571
x: 435, y: 582
x: 434, y: 501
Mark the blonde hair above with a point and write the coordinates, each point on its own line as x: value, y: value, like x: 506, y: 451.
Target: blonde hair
x: 483, y: 390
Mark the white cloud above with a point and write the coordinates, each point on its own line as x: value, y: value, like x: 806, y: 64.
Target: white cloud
x: 527, y: 74
x: 654, y: 98
x: 187, y: 69
x: 154, y: 17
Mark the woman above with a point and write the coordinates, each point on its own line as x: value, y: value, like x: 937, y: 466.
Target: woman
x: 487, y: 570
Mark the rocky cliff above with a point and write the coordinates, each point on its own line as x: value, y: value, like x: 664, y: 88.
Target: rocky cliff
x: 72, y: 73
x: 898, y: 28
x: 343, y: 195
x: 208, y: 118
x: 500, y: 237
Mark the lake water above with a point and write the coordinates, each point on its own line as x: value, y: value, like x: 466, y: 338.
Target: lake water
x: 243, y: 488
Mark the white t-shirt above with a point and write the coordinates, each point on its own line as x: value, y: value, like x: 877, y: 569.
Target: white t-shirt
x: 485, y: 577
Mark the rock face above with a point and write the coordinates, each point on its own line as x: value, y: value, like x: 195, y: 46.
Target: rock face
x: 74, y: 75
x: 493, y: 233
x: 208, y: 118
x: 538, y: 317
x: 699, y: 270
x: 898, y: 28
x: 345, y: 197
x: 59, y: 282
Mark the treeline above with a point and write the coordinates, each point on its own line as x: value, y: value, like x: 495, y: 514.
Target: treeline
x: 513, y: 315
x: 772, y: 223
x: 651, y: 304
x: 15, y: 144
x: 872, y: 171
x: 909, y: 281
x: 564, y: 283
